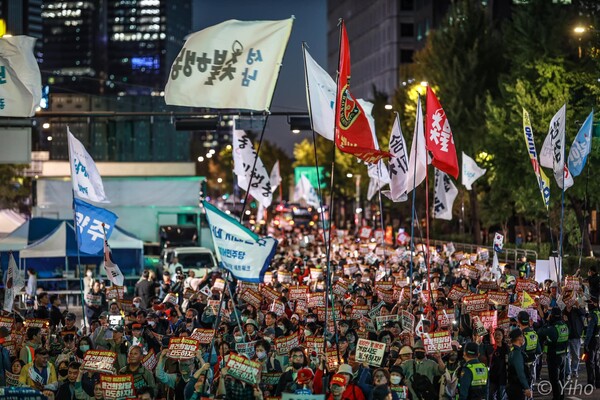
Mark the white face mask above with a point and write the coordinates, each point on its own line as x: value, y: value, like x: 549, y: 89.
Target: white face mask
x: 137, y: 305
x: 152, y: 323
x: 261, y: 355
x: 395, y: 380
x: 89, y: 273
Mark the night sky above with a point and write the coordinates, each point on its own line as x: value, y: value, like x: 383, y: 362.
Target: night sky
x: 310, y: 26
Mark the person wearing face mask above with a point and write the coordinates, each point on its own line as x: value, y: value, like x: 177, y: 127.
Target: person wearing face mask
x: 473, y: 375
x: 177, y: 382
x: 519, y: 381
x: 62, y: 370
x: 67, y: 389
x: 380, y: 376
x: 287, y: 382
x: 399, y: 389
x: 422, y: 368
x: 264, y: 356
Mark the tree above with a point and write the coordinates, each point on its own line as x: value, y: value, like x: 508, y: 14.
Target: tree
x: 15, y: 190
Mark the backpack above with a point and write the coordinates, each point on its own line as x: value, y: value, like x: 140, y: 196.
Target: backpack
x: 422, y: 386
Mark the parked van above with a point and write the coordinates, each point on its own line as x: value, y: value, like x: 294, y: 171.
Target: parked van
x: 199, y: 259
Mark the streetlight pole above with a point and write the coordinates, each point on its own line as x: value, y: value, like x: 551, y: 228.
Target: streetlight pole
x: 357, y: 201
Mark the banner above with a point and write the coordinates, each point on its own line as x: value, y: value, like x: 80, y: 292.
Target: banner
x: 90, y: 234
x: 444, y: 196
x: 417, y: 162
x: 353, y: 133
x: 275, y: 176
x: 581, y: 147
x: 475, y: 303
x: 239, y: 250
x: 437, y: 342
x: 543, y: 181
x: 398, y: 163
x: 14, y: 283
x: 203, y: 336
x: 234, y: 64
x: 99, y: 361
x: 284, y: 344
x: 182, y: 348
x: 304, y: 190
x: 247, y: 349
x: 244, y: 155
x: 320, y: 97
x: 552, y: 154
x: 439, y: 139
x: 470, y: 171
x: 20, y: 77
x: 20, y: 393
x: 86, y: 180
x: 370, y: 352
x: 243, y: 369
x: 117, y: 386
x: 270, y: 378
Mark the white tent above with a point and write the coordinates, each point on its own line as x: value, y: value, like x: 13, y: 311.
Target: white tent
x: 16, y: 240
x: 9, y: 221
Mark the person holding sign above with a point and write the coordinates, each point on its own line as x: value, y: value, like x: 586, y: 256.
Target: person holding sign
x: 420, y: 373
x: 473, y: 376
x: 80, y: 394
x: 141, y: 376
x: 179, y: 380
x: 39, y: 374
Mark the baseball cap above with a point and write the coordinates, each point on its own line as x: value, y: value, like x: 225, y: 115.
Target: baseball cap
x: 345, y: 369
x: 103, y: 315
x: 117, y: 328
x: 70, y: 316
x: 523, y: 317
x: 472, y: 349
x: 338, y: 379
x: 304, y: 376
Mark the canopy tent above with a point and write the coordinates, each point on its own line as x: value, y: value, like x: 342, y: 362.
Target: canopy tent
x: 57, y: 252
x: 30, y: 231
x: 9, y: 221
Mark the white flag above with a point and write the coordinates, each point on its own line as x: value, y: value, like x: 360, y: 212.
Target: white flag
x: 113, y: 272
x: 234, y: 64
x: 496, y: 267
x: 417, y: 162
x: 398, y: 163
x: 470, y: 171
x: 243, y: 160
x: 245, y: 254
x: 13, y: 284
x: 305, y: 190
x: 87, y: 182
x: 275, y: 177
x: 444, y: 195
x: 379, y: 178
x: 20, y: 78
x: 320, y: 97
x: 553, y: 153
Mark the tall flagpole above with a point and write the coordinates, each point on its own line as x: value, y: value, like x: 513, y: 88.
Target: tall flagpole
x: 413, y: 211
x: 380, y: 207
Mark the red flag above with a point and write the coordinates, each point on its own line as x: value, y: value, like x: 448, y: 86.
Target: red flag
x: 438, y: 137
x: 352, y: 131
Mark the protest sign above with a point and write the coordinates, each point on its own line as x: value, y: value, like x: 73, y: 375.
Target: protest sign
x: 504, y: 323
x: 478, y: 326
x: 386, y: 296
x: 437, y: 341
x: 93, y: 300
x: 445, y: 318
x: 150, y: 360
x: 513, y: 311
x: 20, y: 393
x: 115, y: 292
x: 340, y: 288
x: 375, y: 310
x: 171, y: 298
x: 457, y: 293
x: 284, y: 277
x: 182, y: 348
x: 333, y: 359
x: 370, y: 352
x: 277, y: 307
x: 126, y: 305
x: 269, y: 293
x: 43, y: 324
x: 365, y: 232
x: 384, y: 285
x: 469, y: 271
x: 284, y: 344
x: 243, y: 369
x: 117, y: 386
x: 528, y: 285
x: 251, y: 297
x: 487, y: 285
x: 572, y: 282
x: 359, y: 311
x: 499, y: 298
x: 99, y: 361
x: 316, y: 274
x: 381, y: 321
x: 247, y: 349
x: 7, y: 323
x: 301, y: 307
x: 296, y: 396
x: 219, y: 284
x: 489, y: 319
x: 298, y: 293
x: 350, y: 270
x: 203, y: 336
x: 408, y: 321
x: 11, y: 379
x: 545, y: 299
x: 475, y: 303
x: 314, y: 342
x: 270, y: 378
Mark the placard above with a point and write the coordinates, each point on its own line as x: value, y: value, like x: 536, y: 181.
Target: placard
x: 350, y: 270
x: 437, y: 342
x: 203, y: 336
x: 117, y: 386
x: 93, y: 300
x: 316, y: 274
x: 115, y: 292
x: 284, y: 277
x: 457, y: 292
x: 251, y: 297
x: 489, y: 319
x: 43, y: 324
x: 171, y: 298
x: 269, y: 293
x: 408, y: 321
x: 359, y: 311
x: 20, y: 393
x: 182, y: 348
x: 99, y: 361
x: 270, y: 378
x: 499, y: 298
x: 572, y: 282
x: 445, y: 318
x: 332, y: 358
x: 475, y: 303
x: 243, y: 369
x: 528, y: 285
x: 386, y: 296
x: 469, y: 271
x: 284, y: 344
x: 340, y: 288
x: 370, y: 352
x: 219, y: 284
x: 247, y: 349
x: 375, y: 311
x: 298, y: 293
x: 295, y: 396
x: 316, y: 300
x: 314, y: 343
x: 487, y: 285
x: 381, y: 321
x: 150, y: 360
x: 11, y: 379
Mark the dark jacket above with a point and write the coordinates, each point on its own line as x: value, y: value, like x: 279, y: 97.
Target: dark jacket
x: 144, y: 289
x: 575, y: 322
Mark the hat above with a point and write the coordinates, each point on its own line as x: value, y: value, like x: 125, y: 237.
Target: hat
x: 252, y: 322
x: 523, y: 317
x: 304, y: 376
x: 104, y: 315
x: 554, y: 284
x: 295, y: 316
x: 152, y: 315
x: 345, y: 369
x: 338, y: 379
x: 117, y: 328
x: 136, y: 326
x: 70, y: 316
x: 472, y: 349
x: 418, y: 345
x: 556, y: 312
x: 515, y: 333
x: 405, y: 350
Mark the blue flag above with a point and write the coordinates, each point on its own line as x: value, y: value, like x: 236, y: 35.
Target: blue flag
x: 239, y: 250
x: 90, y: 234
x: 581, y: 147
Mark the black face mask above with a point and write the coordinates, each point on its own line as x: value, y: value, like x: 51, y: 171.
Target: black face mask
x: 394, y: 354
x: 419, y: 355
x: 188, y: 320
x: 63, y: 372
x: 297, y: 365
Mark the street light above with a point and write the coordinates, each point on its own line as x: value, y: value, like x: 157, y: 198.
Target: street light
x: 388, y: 107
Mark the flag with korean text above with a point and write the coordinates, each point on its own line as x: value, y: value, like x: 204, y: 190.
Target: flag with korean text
x: 552, y: 154
x: 113, y: 272
x: 444, y: 195
x: 470, y: 171
x: 353, y: 133
x: 20, y: 78
x: 417, y: 161
x: 89, y: 221
x: 243, y: 160
x: 543, y: 181
x: 581, y: 147
x: 241, y: 251
x: 379, y: 177
x: 87, y: 182
x: 398, y: 163
x: 13, y: 285
x: 234, y: 64
x: 440, y: 141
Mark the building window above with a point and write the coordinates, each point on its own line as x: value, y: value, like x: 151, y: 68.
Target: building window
x: 407, y: 5
x: 407, y: 30
x: 406, y: 56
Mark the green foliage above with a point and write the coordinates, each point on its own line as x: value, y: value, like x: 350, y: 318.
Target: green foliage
x: 15, y: 190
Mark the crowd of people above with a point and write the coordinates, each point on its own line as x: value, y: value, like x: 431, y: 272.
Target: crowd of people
x: 380, y: 323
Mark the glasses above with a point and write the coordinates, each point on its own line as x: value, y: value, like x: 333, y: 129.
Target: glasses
x: 297, y: 356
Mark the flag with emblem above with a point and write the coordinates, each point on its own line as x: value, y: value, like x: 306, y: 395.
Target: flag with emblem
x: 241, y: 251
x: 14, y: 283
x: 438, y: 137
x: 353, y: 133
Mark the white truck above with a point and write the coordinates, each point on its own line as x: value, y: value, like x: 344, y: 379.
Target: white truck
x: 198, y: 259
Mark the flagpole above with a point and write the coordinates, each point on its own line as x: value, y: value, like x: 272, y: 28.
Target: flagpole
x: 78, y: 259
x: 427, y: 230
x: 381, y: 209
x: 585, y: 198
x: 414, y: 194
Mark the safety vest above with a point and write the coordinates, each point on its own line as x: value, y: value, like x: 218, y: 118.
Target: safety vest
x: 480, y: 374
x: 531, y: 340
x: 597, y: 312
x: 560, y: 346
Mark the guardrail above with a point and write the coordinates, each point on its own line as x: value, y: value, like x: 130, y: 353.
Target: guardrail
x: 507, y: 255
